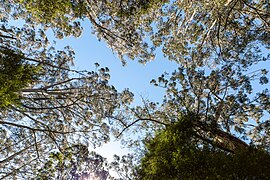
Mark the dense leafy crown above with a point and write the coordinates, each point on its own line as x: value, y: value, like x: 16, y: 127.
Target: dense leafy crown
x: 221, y: 49
x: 183, y: 155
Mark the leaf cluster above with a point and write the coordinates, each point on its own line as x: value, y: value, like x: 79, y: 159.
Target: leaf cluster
x: 73, y: 162
x: 15, y: 75
x: 48, y: 11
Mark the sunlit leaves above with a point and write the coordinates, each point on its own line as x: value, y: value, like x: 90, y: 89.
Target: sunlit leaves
x: 59, y: 15
x: 200, y: 31
x: 216, y: 45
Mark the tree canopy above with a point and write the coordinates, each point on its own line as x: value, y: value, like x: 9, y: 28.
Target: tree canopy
x: 218, y: 31
x: 179, y: 152
x: 216, y: 105
x: 45, y: 104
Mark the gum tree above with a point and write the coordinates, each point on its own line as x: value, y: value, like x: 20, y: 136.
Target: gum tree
x: 61, y: 107
x: 226, y: 116
x: 202, y: 29
x: 46, y: 105
x: 217, y: 45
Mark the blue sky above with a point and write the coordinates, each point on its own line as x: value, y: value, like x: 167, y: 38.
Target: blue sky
x: 134, y: 76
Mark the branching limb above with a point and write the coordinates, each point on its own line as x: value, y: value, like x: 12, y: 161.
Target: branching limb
x: 141, y: 119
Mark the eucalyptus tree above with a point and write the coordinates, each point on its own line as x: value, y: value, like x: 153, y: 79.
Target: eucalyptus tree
x: 215, y: 43
x: 76, y: 162
x: 46, y: 105
x: 109, y: 21
x: 225, y: 100
x: 57, y: 109
x: 217, y: 46
x: 206, y: 116
x: 134, y: 29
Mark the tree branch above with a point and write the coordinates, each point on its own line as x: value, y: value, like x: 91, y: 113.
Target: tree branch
x: 141, y: 119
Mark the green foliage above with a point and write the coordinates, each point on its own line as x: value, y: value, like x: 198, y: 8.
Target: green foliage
x: 206, y: 32
x: 137, y: 8
x: 174, y: 153
x: 73, y: 162
x: 15, y: 75
x: 215, y: 45
x: 47, y: 11
x: 60, y: 15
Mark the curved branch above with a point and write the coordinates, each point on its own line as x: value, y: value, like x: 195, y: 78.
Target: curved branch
x: 141, y: 119
x: 40, y: 130
x: 17, y: 153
